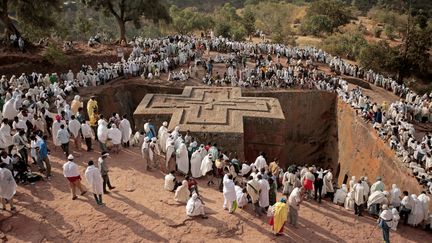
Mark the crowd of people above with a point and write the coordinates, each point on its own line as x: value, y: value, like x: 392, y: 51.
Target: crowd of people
x: 35, y: 108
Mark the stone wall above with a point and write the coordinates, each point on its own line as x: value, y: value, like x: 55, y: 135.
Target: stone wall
x: 308, y: 134
x: 363, y: 153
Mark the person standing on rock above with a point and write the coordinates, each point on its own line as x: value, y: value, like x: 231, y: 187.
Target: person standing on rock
x: 377, y: 186
x: 229, y: 193
x: 88, y: 135
x: 103, y: 167
x: 145, y: 149
x: 126, y: 131
x: 359, y: 198
x: 74, y: 127
x: 95, y: 181
x: 92, y: 105
x: 253, y: 190
x: 7, y: 187
x: 294, y: 200
x: 71, y: 172
x: 384, y: 222
x: 63, y: 138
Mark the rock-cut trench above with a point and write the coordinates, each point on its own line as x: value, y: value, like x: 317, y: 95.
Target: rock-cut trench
x: 318, y: 129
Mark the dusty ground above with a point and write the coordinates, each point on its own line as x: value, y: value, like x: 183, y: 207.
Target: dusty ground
x: 139, y: 210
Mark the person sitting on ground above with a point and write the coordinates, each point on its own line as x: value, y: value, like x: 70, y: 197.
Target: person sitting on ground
x: 182, y: 193
x: 195, y: 207
x: 171, y: 183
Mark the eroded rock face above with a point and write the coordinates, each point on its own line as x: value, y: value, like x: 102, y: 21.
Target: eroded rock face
x: 363, y: 153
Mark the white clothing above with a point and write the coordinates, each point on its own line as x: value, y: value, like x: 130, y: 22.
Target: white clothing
x: 340, y: 195
x: 229, y: 193
x: 196, y: 160
x: 7, y: 184
x: 126, y: 130
x: 182, y: 159
x: 94, y: 179
x: 169, y: 182
x: 241, y: 197
x: 264, y: 193
x: 70, y: 169
x: 74, y: 127
x: 359, y: 195
x: 206, y: 165
x: 260, y: 163
x: 115, y: 135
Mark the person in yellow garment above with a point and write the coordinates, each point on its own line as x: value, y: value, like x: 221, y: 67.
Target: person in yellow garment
x: 280, y: 216
x: 92, y: 105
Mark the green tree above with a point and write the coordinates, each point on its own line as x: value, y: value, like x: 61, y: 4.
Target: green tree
x: 33, y: 13
x: 317, y: 25
x: 248, y: 21
x: 332, y: 14
x: 131, y: 11
x: 82, y: 24
x: 187, y: 20
x: 379, y: 57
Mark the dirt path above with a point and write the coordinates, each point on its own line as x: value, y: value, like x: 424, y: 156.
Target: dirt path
x: 139, y: 210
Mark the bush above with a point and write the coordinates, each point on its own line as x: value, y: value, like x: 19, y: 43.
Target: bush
x: 55, y: 55
x: 389, y: 32
x: 377, y: 31
x: 347, y: 45
x: 222, y: 29
x: 317, y: 25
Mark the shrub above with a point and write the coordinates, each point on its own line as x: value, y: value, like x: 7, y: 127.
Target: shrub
x: 55, y: 55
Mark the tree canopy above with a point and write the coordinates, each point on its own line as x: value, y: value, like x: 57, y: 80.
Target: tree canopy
x: 131, y: 11
x: 37, y: 14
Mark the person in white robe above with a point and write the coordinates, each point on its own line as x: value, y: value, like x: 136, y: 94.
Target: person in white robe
x: 417, y: 214
x: 5, y: 136
x: 365, y: 184
x: 126, y: 131
x: 170, y: 158
x: 196, y: 160
x: 375, y: 200
x: 424, y: 199
x: 182, y: 193
x: 349, y: 201
x: 229, y: 193
x: 102, y: 134
x: 182, y: 159
x: 74, y: 127
x: 170, y: 182
x: 195, y: 206
x: 7, y: 187
x: 241, y: 194
x: 395, y: 220
x: 207, y: 167
x: 95, y: 181
x: 115, y: 136
x: 168, y: 142
x: 359, y: 198
x: 9, y: 110
x: 175, y: 134
x: 260, y: 162
x: 178, y: 141
x: 395, y: 195
x: 55, y: 128
x: 340, y: 195
x: 145, y: 152
x: 384, y: 222
x: 328, y: 184
x: 163, y: 135
x: 264, y: 193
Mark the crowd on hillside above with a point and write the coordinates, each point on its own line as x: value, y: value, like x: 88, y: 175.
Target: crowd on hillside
x: 35, y: 108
